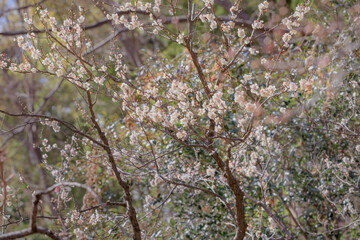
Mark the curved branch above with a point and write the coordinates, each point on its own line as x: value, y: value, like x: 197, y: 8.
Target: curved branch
x: 69, y: 184
x: 125, y: 186
x: 28, y: 232
x: 20, y: 8
x: 66, y: 124
x: 36, y: 199
x: 268, y: 211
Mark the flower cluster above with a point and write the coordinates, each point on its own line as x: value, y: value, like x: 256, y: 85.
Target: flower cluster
x: 209, y: 18
x: 298, y: 15
x: 54, y: 124
x: 263, y: 6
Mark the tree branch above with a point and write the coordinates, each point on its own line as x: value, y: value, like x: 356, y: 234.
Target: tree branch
x: 28, y: 232
x: 128, y: 198
x: 238, y: 22
x: 36, y: 199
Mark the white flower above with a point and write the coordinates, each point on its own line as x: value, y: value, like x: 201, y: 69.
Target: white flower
x: 103, y: 68
x: 19, y: 39
x: 3, y: 64
x: 293, y: 87
x: 95, y: 218
x: 213, y: 25
x: 208, y: 3
x: 247, y: 77
x: 99, y: 80
x: 81, y: 19
x: 51, y: 66
x: 218, y: 129
x: 59, y: 72
x: 241, y: 33
x: 262, y: 6
x: 211, y: 115
x: 52, y: 21
x: 267, y: 75
x: 253, y: 51
x: 35, y: 53
x: 201, y: 111
x: 357, y: 148
x: 184, y: 122
x: 258, y: 24
x: 254, y: 88
x: 250, y: 107
x: 44, y: 13
x: 181, y: 135
x: 210, y: 172
x: 239, y: 97
x: 86, y: 85
x: 225, y: 28
x: 286, y: 37
x: 67, y: 22
x: 27, y: 19
x: 180, y: 38
x: 13, y: 67
x: 155, y: 31
x: 46, y: 61
x: 24, y: 67
x: 203, y: 18
x: 302, y: 83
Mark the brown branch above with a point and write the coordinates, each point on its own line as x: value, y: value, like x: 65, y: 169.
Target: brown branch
x: 2, y: 178
x: 241, y: 224
x: 122, y: 204
x: 128, y: 198
x: 69, y: 184
x: 226, y: 40
x: 64, y: 123
x: 36, y: 200
x: 28, y: 232
x: 227, y: 205
x: 199, y: 70
x: 18, y: 129
x: 227, y: 5
x: 21, y: 8
x: 106, y: 204
x: 297, y: 222
x: 106, y: 147
x: 3, y: 185
x: 268, y: 211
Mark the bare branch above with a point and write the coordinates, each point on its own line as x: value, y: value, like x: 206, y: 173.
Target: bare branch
x: 21, y: 8
x: 28, y: 232
x: 36, y: 199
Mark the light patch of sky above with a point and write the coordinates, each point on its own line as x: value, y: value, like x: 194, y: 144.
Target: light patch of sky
x: 8, y: 4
